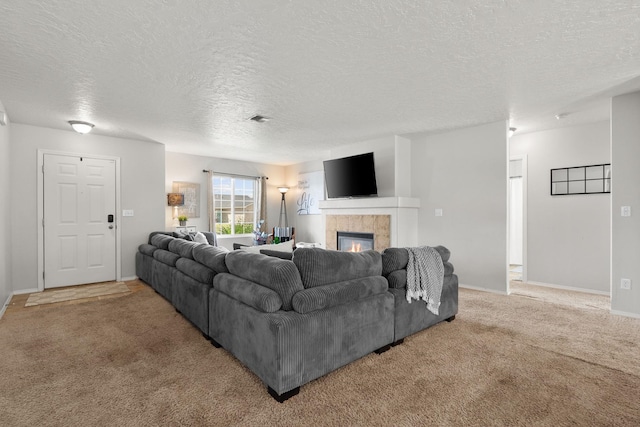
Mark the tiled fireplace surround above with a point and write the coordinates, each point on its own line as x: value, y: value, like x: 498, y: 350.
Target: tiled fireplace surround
x: 392, y: 220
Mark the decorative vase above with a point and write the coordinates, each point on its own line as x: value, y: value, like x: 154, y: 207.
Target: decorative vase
x: 183, y: 223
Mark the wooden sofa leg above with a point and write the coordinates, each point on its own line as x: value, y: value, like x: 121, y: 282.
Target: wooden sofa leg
x: 395, y: 343
x: 284, y: 396
x: 451, y: 319
x: 382, y: 349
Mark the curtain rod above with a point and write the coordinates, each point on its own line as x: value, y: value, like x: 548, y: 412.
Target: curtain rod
x: 234, y: 174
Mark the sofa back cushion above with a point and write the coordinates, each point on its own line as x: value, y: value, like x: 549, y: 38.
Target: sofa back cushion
x: 161, y: 241
x: 398, y: 258
x: 278, y: 274
x: 195, y: 270
x: 211, y: 256
x: 327, y: 296
x: 319, y: 267
x: 182, y: 247
x: 166, y: 257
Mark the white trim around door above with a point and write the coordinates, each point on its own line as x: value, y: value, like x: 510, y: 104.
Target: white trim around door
x: 40, y: 202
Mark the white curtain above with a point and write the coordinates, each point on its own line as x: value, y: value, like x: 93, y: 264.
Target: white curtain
x: 262, y: 205
x: 211, y: 211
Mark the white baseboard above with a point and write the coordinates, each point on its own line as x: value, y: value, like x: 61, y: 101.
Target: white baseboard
x: 626, y: 314
x: 128, y: 279
x: 26, y: 291
x: 5, y: 305
x: 569, y: 288
x: 478, y: 288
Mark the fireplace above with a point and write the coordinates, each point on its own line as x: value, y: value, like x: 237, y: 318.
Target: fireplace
x: 349, y: 241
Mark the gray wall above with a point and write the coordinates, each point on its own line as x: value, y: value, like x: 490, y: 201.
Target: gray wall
x: 5, y: 215
x: 568, y: 236
x: 186, y: 167
x: 142, y: 190
x: 464, y: 173
x: 625, y: 174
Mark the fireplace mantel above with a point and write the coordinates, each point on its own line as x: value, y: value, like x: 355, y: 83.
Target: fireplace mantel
x: 370, y: 202
x: 402, y: 214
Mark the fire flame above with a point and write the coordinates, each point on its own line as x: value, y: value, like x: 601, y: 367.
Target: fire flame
x: 355, y: 247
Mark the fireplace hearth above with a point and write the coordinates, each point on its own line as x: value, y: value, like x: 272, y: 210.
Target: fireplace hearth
x: 349, y: 241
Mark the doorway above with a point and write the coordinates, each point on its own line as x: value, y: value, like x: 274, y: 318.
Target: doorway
x: 517, y: 219
x: 78, y: 204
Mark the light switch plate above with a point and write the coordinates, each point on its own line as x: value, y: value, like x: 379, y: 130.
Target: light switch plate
x: 127, y: 212
x: 625, y: 211
x: 438, y: 212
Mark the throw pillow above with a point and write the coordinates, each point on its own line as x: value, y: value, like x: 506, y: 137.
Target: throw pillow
x: 200, y: 238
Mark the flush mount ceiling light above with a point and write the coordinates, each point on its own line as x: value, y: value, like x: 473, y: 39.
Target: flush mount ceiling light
x: 260, y: 119
x: 512, y: 131
x: 561, y: 116
x: 81, y: 127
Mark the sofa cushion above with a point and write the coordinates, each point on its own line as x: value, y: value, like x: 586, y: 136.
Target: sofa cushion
x: 161, y: 241
x: 147, y: 249
x: 278, y: 274
x: 166, y: 257
x: 320, y: 297
x: 195, y: 270
x: 184, y: 248
x: 398, y: 258
x: 277, y: 254
x: 247, y: 292
x: 320, y: 267
x: 398, y: 278
x: 211, y: 256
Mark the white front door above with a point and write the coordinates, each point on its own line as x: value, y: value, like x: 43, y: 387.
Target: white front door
x: 79, y: 220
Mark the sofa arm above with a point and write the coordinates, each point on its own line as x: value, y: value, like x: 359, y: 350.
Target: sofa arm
x: 326, y: 296
x: 252, y: 294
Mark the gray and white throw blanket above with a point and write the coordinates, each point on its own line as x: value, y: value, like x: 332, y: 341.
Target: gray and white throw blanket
x: 425, y: 275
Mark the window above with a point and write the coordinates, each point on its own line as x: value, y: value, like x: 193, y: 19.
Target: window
x: 235, y: 210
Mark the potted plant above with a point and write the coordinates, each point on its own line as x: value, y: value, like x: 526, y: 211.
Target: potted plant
x: 183, y: 220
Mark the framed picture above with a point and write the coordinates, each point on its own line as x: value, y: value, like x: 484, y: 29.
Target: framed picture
x: 191, y: 191
x: 310, y: 192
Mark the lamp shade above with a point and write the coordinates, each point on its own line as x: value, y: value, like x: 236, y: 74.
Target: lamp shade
x: 283, y: 189
x: 175, y: 199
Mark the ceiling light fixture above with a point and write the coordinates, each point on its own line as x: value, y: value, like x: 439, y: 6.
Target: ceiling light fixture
x: 512, y: 131
x: 260, y: 119
x: 81, y: 127
x: 561, y: 116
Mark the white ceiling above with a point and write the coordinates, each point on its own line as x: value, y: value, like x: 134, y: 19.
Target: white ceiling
x: 188, y: 74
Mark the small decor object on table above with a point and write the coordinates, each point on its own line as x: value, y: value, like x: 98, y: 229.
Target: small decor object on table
x: 259, y: 237
x: 183, y: 220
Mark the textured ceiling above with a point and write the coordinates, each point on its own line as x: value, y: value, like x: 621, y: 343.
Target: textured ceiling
x: 189, y: 74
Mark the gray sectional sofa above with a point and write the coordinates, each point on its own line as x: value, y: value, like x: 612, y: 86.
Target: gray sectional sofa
x: 292, y: 321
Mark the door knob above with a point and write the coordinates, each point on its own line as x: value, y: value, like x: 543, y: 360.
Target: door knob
x: 110, y: 227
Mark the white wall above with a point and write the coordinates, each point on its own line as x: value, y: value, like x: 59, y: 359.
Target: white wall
x: 309, y: 228
x: 5, y: 215
x: 142, y: 190
x: 464, y: 173
x: 186, y: 167
x: 625, y: 175
x: 568, y: 236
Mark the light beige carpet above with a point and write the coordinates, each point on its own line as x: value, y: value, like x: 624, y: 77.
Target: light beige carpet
x: 504, y: 361
x: 76, y: 293
x: 561, y: 296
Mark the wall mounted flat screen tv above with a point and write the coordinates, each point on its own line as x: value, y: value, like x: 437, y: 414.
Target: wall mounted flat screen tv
x: 353, y: 176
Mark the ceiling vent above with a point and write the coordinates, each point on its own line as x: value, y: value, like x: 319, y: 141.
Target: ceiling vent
x: 260, y: 119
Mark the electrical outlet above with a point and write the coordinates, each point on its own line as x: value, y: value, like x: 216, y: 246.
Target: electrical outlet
x: 438, y: 212
x: 625, y: 211
x: 625, y: 283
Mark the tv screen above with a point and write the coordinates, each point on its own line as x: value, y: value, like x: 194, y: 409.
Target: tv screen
x: 353, y: 176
